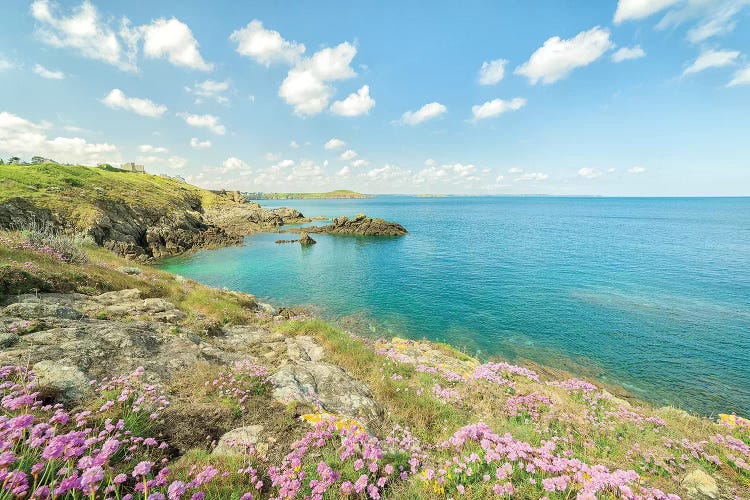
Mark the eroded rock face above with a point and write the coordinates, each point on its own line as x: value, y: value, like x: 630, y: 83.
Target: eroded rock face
x: 247, y: 218
x: 360, y: 225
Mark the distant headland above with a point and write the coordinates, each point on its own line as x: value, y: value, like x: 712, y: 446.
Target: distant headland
x: 337, y: 194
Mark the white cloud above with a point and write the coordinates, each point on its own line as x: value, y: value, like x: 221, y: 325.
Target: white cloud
x: 629, y: 10
x: 589, y: 173
x: 306, y: 85
x: 233, y: 164
x: 496, y: 107
x: 628, y: 53
x: 210, y: 90
x: 360, y: 163
x: 49, y: 74
x: 148, y: 148
x: 195, y: 143
x: 294, y: 145
x: 557, y: 58
x: 86, y: 33
x: 515, y: 170
x: 266, y: 46
x: 429, y: 162
x: 172, y: 162
x: 347, y: 155
x: 172, y: 39
x: 210, y: 122
x: 492, y: 72
x: 5, y: 64
x: 533, y: 176
x: 741, y: 77
x: 712, y: 59
x: 636, y: 170
x: 19, y: 136
x: 713, y: 17
x: 345, y: 171
x: 426, y: 112
x: 272, y: 156
x: 334, y: 143
x: 284, y: 164
x: 117, y: 99
x: 355, y: 104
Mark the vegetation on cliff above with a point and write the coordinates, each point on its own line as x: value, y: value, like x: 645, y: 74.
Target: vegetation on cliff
x: 239, y: 400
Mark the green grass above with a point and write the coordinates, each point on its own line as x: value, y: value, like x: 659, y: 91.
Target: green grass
x: 73, y: 191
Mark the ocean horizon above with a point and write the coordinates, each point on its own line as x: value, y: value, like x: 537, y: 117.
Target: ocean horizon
x: 651, y: 294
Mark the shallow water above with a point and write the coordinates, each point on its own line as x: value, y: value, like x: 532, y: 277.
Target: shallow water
x: 652, y: 294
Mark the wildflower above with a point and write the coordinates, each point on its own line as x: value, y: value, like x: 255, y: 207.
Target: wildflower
x: 142, y: 468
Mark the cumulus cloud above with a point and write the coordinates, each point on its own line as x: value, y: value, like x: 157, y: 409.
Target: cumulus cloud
x: 558, y: 57
x: 515, y: 170
x: 85, y: 32
x: 496, y: 107
x: 148, y: 148
x: 356, y: 104
x: 49, y: 74
x: 306, y: 85
x: 712, y: 59
x: 210, y: 122
x: 492, y: 72
x: 741, y: 77
x: 628, y: 54
x: 347, y: 155
x: 157, y: 162
x: 195, y: 143
x: 636, y: 170
x: 173, y: 40
x: 345, y: 171
x: 426, y: 112
x: 360, y: 163
x: 233, y: 164
x: 266, y: 46
x: 589, y: 173
x: 293, y: 145
x: 19, y: 136
x: 5, y: 64
x: 272, y: 156
x: 334, y: 143
x: 630, y: 10
x: 117, y: 99
x: 210, y: 90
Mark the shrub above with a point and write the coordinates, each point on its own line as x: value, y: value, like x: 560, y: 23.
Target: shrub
x: 46, y: 238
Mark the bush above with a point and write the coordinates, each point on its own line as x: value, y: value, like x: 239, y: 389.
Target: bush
x: 46, y: 238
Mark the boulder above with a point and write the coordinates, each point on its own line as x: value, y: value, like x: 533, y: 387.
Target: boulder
x: 700, y: 486
x: 242, y: 441
x: 61, y: 382
x: 305, y: 239
x: 326, y: 385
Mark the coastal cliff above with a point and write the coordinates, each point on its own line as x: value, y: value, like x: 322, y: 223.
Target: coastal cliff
x: 139, y: 216
x: 214, y: 392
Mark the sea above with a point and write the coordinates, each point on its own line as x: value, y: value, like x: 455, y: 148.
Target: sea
x: 649, y: 294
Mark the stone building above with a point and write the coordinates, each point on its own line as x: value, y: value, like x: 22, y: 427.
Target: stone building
x: 133, y: 167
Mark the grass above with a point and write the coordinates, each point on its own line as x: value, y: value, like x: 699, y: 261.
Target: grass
x: 75, y: 192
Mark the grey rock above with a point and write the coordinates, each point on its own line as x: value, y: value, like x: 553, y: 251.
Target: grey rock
x: 34, y: 310
x: 305, y: 239
x: 327, y: 385
x: 240, y: 441
x: 8, y: 339
x: 303, y: 349
x: 60, y: 382
x: 360, y: 225
x: 700, y: 486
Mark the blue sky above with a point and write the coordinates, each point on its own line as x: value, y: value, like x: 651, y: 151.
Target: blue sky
x: 628, y: 97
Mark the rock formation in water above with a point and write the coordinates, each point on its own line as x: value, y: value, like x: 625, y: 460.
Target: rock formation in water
x: 360, y: 225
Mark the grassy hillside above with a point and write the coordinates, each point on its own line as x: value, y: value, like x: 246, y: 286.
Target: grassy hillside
x: 74, y: 190
x: 339, y: 193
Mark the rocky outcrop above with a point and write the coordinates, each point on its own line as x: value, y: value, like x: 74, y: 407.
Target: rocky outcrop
x: 360, y: 225
x: 241, y: 219
x: 72, y: 338
x: 305, y: 239
x: 700, y: 486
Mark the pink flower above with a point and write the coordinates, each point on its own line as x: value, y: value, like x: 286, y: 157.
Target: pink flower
x: 142, y: 469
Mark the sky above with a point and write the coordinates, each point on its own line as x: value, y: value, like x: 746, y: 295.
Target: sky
x: 594, y: 97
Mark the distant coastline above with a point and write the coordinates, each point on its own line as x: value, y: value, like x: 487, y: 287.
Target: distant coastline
x: 330, y: 195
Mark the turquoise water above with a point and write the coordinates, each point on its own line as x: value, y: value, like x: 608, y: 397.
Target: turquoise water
x: 652, y: 294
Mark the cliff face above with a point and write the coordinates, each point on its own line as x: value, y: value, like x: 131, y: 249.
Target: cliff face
x: 138, y: 216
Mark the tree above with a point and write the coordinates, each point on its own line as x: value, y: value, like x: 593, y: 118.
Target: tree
x: 14, y: 160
